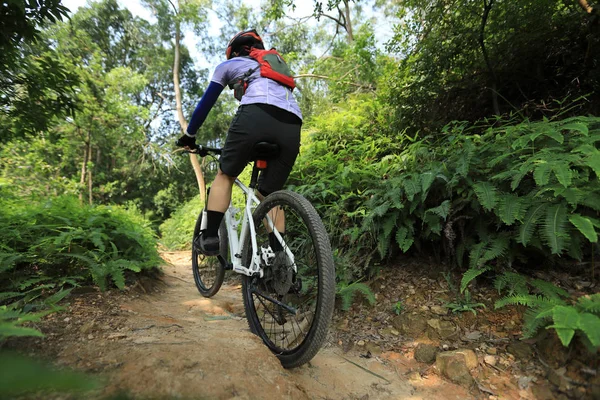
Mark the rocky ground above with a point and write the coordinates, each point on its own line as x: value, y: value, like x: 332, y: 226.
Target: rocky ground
x: 161, y: 339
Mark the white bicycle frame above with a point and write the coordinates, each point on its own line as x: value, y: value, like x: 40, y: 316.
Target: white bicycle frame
x: 236, y: 241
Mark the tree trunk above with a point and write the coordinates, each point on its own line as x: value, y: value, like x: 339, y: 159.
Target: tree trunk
x: 182, y: 121
x: 487, y: 7
x: 89, y: 173
x: 348, y: 21
x: 84, y: 166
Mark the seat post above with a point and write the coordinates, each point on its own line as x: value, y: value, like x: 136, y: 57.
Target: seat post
x: 256, y: 168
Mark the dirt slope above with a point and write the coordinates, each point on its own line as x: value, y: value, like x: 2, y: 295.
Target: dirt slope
x: 170, y: 342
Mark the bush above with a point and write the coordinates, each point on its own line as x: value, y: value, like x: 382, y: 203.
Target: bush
x: 47, y: 244
x: 176, y: 232
x: 479, y: 193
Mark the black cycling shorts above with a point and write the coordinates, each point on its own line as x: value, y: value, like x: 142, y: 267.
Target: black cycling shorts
x: 255, y: 123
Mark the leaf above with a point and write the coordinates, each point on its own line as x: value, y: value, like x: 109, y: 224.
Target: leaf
x: 555, y: 231
x: 563, y: 173
x: 470, y: 275
x: 576, y: 126
x: 566, y: 320
x: 529, y: 224
x: 486, y: 193
x: 442, y: 210
x: 412, y: 187
x: 585, y: 226
x: 23, y: 375
x: 403, y: 239
x: 427, y: 179
x: 590, y: 325
x: 9, y: 330
x: 594, y: 163
x: 559, y: 137
x: 509, y: 208
x: 541, y: 173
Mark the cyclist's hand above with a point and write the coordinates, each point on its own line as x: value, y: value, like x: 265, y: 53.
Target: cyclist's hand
x: 186, y: 141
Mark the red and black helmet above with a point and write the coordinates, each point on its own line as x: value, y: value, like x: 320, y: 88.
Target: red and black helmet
x: 242, y: 39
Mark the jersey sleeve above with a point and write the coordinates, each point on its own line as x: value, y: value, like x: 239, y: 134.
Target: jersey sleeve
x: 222, y: 74
x: 204, y: 106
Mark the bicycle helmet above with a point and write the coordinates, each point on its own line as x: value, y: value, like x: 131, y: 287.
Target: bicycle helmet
x: 248, y: 38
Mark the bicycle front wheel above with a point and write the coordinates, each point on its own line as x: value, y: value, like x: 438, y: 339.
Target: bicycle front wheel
x: 209, y: 271
x: 290, y: 310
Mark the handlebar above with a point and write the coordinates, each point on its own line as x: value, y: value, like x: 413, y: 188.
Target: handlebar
x: 204, y: 150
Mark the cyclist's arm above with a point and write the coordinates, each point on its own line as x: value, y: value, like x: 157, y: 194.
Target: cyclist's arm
x: 204, y: 106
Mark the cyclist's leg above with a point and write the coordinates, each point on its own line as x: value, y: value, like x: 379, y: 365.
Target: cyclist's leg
x: 234, y: 158
x: 287, y: 135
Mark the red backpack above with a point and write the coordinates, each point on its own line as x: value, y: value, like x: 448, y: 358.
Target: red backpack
x: 271, y: 65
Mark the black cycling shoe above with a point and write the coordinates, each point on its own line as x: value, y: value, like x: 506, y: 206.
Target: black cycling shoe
x: 209, y: 246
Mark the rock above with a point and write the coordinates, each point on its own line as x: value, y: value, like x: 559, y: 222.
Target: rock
x: 520, y: 350
x: 439, y: 310
x: 425, y: 353
x: 472, y: 336
x: 373, y: 348
x: 87, y: 327
x: 468, y: 357
x: 551, y: 348
x: 524, y: 381
x: 409, y: 324
x: 116, y: 336
x: 557, y: 378
x: 415, y: 376
x: 456, y: 365
x: 441, y: 329
x: 490, y: 360
x: 542, y: 392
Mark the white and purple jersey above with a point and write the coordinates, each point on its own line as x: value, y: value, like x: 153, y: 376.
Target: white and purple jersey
x: 260, y: 90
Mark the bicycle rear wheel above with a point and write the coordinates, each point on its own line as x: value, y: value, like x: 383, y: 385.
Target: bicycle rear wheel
x: 291, y: 311
x: 209, y: 272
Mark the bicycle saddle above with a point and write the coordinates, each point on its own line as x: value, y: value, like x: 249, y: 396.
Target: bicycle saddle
x: 264, y: 151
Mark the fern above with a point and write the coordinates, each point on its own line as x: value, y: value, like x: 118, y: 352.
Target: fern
x: 548, y: 289
x: 509, y: 208
x: 513, y: 283
x: 527, y: 300
x: 487, y: 195
x: 554, y: 229
x: 542, y: 173
x: 563, y: 173
x: 347, y: 293
x: 585, y: 226
x: 470, y: 275
x: 529, y: 224
x: 590, y: 304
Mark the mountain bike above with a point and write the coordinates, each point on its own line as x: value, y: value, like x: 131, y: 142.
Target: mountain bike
x: 280, y: 247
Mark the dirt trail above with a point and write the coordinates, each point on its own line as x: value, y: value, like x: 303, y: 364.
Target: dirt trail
x: 173, y: 343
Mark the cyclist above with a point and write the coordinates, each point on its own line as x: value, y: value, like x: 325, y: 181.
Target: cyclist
x: 268, y: 112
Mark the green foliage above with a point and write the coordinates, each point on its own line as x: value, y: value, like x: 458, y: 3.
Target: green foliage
x: 347, y: 292
x: 463, y: 304
x: 475, y: 191
x: 548, y: 306
x: 177, y: 231
x: 398, y: 307
x: 21, y: 375
x: 534, y: 52
x: 462, y: 298
x: 45, y: 243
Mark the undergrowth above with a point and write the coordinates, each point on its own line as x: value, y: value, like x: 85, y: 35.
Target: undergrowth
x: 50, y: 246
